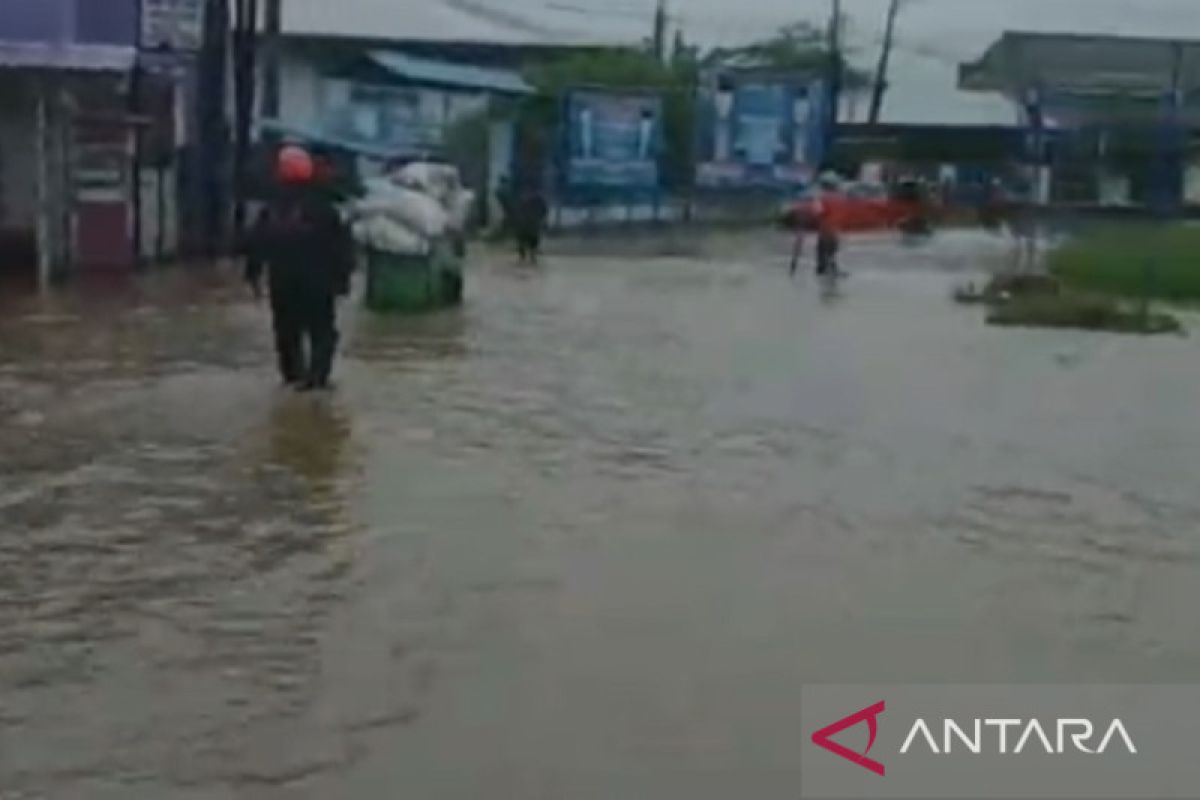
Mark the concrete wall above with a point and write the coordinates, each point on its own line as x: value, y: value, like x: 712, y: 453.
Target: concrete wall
x: 18, y: 157
x: 309, y: 100
x: 160, y: 228
x: 501, y: 136
x: 465, y: 105
x: 300, y: 91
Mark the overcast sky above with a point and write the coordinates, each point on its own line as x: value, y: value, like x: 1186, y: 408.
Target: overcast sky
x: 934, y: 35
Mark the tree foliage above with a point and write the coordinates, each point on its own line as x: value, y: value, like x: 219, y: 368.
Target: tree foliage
x: 799, y: 47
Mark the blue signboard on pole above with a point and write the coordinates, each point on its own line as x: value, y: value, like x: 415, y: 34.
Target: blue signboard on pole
x: 612, y: 139
x: 760, y: 131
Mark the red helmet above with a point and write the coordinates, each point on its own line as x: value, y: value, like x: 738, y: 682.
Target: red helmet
x: 294, y: 165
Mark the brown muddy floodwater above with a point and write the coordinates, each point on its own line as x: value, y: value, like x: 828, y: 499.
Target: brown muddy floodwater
x: 583, y: 540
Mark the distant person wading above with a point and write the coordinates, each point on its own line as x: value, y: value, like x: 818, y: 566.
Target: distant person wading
x: 829, y: 213
x: 529, y: 219
x: 300, y: 242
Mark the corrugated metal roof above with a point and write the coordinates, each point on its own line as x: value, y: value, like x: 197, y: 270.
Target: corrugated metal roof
x: 83, y: 57
x: 498, y: 22
x: 1072, y: 61
x: 445, y: 73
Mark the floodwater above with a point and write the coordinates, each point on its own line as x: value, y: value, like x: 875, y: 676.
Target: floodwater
x: 584, y: 539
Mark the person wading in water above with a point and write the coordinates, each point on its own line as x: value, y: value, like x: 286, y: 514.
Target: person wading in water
x: 530, y: 220
x: 301, y: 244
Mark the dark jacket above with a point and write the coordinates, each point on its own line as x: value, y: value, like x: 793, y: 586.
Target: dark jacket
x: 301, y: 244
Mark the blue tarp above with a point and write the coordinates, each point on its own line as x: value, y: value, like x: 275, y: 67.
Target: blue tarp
x: 445, y: 73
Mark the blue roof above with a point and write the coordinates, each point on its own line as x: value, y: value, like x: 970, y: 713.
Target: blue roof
x: 445, y: 73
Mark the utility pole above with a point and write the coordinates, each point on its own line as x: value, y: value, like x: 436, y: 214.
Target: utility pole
x: 272, y: 29
x: 245, y: 43
x: 835, y: 67
x: 210, y: 166
x: 660, y: 32
x: 1171, y: 137
x: 885, y: 56
x: 135, y: 112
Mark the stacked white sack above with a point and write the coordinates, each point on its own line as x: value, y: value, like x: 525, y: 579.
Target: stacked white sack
x: 461, y: 205
x: 380, y: 232
x: 398, y: 220
x: 439, y: 181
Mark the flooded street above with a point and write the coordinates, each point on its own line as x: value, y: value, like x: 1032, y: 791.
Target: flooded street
x: 583, y: 540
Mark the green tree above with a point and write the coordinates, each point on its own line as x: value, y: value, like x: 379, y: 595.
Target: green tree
x: 799, y: 47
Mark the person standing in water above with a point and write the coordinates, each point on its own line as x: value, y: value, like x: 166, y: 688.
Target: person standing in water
x: 302, y: 246
x: 828, y: 213
x: 530, y: 215
x: 823, y: 215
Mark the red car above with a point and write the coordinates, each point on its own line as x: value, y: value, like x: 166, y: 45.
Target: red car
x: 864, y: 207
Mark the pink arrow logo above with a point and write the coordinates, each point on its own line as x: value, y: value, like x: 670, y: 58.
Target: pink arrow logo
x: 824, y: 737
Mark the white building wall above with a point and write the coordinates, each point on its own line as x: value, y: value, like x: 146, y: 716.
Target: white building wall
x: 501, y: 135
x: 433, y: 105
x: 307, y: 98
x: 160, y: 213
x: 300, y: 91
x: 467, y: 104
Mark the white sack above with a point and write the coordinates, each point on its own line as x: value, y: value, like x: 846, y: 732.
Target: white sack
x: 440, y: 181
x: 462, y: 204
x: 417, y: 211
x: 382, y: 233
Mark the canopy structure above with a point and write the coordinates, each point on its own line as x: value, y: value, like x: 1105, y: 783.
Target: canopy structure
x: 66, y: 56
x: 450, y: 75
x: 1083, y: 79
x: 311, y: 136
x: 512, y: 23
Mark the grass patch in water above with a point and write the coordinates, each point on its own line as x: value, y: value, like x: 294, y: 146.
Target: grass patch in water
x: 1042, y: 301
x: 1158, y: 261
x: 1081, y: 311
x: 1003, y: 288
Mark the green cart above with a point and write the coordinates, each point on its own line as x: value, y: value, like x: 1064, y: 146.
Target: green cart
x: 409, y: 284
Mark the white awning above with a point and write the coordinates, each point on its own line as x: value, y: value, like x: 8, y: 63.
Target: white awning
x: 61, y: 56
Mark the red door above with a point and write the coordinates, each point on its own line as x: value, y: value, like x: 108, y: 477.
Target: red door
x: 102, y: 235
x: 102, y: 221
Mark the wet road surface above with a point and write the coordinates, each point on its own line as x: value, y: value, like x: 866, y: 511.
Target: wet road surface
x: 584, y: 539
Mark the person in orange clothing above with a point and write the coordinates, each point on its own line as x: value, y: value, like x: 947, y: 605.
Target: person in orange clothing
x: 829, y: 211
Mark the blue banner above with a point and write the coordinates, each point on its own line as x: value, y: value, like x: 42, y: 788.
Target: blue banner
x: 612, y: 140
x: 760, y: 132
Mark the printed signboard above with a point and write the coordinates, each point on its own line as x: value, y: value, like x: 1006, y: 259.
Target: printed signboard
x: 612, y: 139
x: 759, y: 131
x: 172, y: 25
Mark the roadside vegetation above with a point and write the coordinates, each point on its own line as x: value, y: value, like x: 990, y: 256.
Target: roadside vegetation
x: 1082, y: 311
x: 1108, y: 278
x: 1158, y: 262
